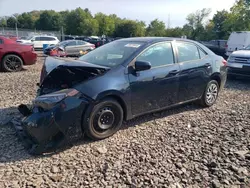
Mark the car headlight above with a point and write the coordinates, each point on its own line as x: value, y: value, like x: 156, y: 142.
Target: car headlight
x: 231, y: 58
x: 50, y: 100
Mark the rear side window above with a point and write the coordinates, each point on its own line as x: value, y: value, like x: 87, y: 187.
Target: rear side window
x: 71, y: 43
x: 51, y: 39
x: 187, y: 52
x: 1, y: 41
x: 158, y: 55
x: 46, y: 38
x: 79, y: 42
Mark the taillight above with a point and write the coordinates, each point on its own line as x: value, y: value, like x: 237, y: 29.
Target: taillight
x: 226, y: 46
x: 224, y: 62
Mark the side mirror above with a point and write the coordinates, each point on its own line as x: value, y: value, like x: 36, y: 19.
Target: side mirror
x: 32, y: 40
x: 142, y: 65
x: 61, y: 48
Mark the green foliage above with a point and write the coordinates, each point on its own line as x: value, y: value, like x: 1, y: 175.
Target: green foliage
x: 49, y: 20
x: 156, y: 28
x: 11, y: 22
x: 106, y: 24
x: 219, y: 28
x: 82, y: 22
x: 196, y: 22
x: 3, y: 22
x: 130, y: 28
x: 26, y: 21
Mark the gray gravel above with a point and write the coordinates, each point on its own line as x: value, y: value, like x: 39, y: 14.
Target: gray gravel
x: 184, y: 147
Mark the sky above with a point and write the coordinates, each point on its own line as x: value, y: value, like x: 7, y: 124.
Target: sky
x: 145, y: 10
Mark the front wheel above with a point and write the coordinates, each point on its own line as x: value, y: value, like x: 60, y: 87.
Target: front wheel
x: 211, y: 94
x: 104, y: 119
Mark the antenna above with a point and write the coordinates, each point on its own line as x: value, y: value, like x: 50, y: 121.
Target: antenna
x: 168, y: 21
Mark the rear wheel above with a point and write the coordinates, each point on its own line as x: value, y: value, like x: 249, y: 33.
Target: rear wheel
x: 210, y: 94
x: 12, y: 63
x: 104, y: 119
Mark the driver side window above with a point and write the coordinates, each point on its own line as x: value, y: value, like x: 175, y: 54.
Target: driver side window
x: 158, y: 55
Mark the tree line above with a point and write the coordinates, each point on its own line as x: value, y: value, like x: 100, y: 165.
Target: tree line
x: 82, y: 22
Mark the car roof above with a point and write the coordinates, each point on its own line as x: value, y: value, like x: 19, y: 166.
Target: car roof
x: 153, y: 39
x: 44, y: 36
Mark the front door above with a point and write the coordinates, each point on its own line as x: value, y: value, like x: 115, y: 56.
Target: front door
x: 157, y: 87
x: 195, y: 67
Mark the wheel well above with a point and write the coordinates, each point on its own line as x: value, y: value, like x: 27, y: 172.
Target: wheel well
x: 12, y: 53
x: 120, y: 101
x: 216, y: 78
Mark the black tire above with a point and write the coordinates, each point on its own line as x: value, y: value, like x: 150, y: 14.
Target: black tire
x: 103, y: 120
x: 12, y: 63
x: 209, y: 96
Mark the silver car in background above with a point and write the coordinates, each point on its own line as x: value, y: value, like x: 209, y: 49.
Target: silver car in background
x: 239, y: 63
x: 72, y: 47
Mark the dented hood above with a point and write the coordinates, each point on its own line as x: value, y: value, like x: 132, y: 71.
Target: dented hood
x: 54, y: 64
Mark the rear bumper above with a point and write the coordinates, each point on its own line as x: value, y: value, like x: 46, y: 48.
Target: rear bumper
x: 46, y: 131
x: 30, y: 58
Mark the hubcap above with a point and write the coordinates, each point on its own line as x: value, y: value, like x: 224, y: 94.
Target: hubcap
x: 106, y: 118
x: 212, y: 93
x: 13, y: 63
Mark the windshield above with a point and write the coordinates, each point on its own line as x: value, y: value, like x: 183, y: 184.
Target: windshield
x: 112, y: 54
x: 29, y: 38
x: 63, y: 43
x: 248, y: 47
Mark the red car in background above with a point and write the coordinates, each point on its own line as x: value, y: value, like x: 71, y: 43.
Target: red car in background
x: 14, y: 55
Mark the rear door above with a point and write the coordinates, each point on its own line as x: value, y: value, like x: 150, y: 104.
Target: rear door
x: 70, y: 48
x: 81, y: 46
x: 196, y: 68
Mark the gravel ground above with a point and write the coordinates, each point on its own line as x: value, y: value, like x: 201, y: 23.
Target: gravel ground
x: 184, y: 147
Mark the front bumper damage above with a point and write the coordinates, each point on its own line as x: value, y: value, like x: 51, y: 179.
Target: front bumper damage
x: 46, y: 131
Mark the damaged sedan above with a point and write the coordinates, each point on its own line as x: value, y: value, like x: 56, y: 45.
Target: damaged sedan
x: 118, y: 81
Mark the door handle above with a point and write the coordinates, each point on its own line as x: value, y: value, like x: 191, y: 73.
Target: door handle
x: 173, y: 72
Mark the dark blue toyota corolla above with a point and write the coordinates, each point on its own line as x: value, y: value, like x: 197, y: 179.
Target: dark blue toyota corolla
x: 118, y: 81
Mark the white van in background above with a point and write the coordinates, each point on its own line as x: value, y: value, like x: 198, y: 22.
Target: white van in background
x: 237, y: 41
x: 39, y: 40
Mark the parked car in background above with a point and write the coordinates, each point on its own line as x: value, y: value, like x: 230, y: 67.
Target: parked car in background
x: 239, y: 63
x: 14, y: 55
x: 39, y: 41
x: 71, y: 47
x: 217, y: 46
x: 237, y: 41
x: 118, y: 81
x: 69, y: 38
x: 96, y: 41
x: 12, y: 37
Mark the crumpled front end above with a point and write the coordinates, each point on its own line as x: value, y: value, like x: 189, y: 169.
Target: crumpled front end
x: 55, y: 118
x: 45, y: 130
